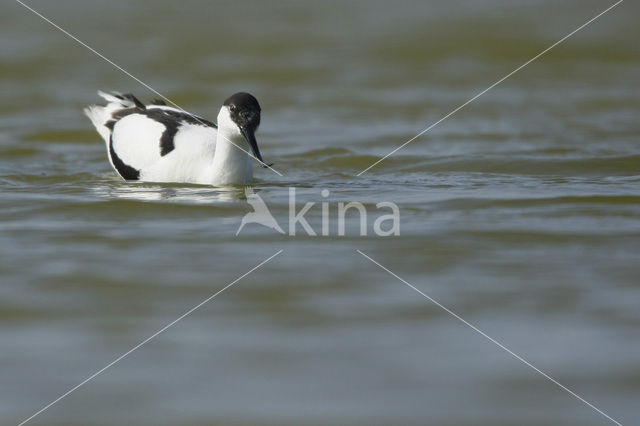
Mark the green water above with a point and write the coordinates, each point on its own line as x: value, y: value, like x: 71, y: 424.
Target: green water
x: 520, y: 213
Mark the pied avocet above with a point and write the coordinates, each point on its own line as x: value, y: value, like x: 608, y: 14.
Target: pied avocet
x: 159, y: 143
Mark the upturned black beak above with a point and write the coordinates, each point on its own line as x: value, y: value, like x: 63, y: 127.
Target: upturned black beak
x: 250, y: 137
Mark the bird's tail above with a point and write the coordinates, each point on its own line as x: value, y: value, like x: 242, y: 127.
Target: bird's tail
x: 100, y: 115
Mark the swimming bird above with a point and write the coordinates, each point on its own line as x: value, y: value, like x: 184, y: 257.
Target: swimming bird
x: 159, y: 143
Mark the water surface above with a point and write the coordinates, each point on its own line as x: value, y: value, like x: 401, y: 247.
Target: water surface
x: 521, y: 213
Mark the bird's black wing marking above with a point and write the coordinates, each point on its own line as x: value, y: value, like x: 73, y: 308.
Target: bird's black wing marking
x: 162, y: 115
x: 172, y: 120
x: 135, y: 100
x: 166, y: 140
x: 127, y: 172
x: 121, y: 113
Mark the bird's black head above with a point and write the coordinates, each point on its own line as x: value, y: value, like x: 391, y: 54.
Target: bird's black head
x: 244, y: 110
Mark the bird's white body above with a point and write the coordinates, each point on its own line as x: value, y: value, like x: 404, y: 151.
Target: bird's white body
x: 158, y: 143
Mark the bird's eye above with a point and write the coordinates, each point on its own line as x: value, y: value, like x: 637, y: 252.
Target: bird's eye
x: 232, y: 108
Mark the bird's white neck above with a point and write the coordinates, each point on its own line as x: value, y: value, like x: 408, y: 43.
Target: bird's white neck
x: 231, y: 163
